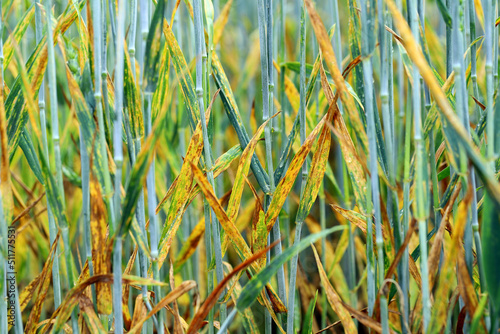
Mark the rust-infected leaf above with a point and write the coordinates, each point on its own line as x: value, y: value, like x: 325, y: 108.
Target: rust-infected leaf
x: 331, y: 62
x: 41, y: 290
x: 333, y: 298
x: 92, y: 321
x: 181, y: 192
x: 283, y: 188
x: 451, y: 251
x: 198, y: 318
x: 140, y: 312
x: 169, y: 298
x: 353, y: 164
x: 231, y: 230
x: 243, y: 168
x: 189, y: 246
x: 101, y: 256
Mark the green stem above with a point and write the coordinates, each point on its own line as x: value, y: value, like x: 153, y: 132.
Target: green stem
x: 488, y: 42
x: 118, y: 157
x: 57, y: 152
x: 56, y: 282
x: 302, y: 118
x: 210, y: 215
x: 420, y: 214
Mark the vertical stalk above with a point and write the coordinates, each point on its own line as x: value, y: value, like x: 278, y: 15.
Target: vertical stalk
x: 150, y: 181
x: 132, y: 34
x: 53, y: 101
x: 100, y: 59
x: 153, y: 221
x: 366, y: 12
x: 118, y: 157
x: 419, y: 172
x: 432, y: 146
x: 99, y: 73
x: 283, y: 100
x: 276, y: 236
x: 209, y: 214
x: 104, y: 66
x: 463, y: 112
x: 144, y: 20
x: 472, y: 228
x: 391, y: 146
x: 140, y: 211
x: 473, y: 49
x: 385, y: 50
x: 117, y: 284
x: 488, y: 42
x: 406, y: 212
x: 302, y: 119
x: 56, y: 282
x: 112, y: 21
x: 57, y: 152
x: 404, y: 130
x: 141, y: 219
x: 208, y: 15
x: 337, y: 38
x: 435, y: 188
x: 448, y: 44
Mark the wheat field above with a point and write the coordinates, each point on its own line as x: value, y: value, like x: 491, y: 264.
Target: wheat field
x: 249, y: 166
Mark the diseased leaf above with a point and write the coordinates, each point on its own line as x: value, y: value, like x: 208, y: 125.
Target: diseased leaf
x: 254, y: 287
x: 230, y: 229
x: 169, y: 298
x: 334, y: 299
x: 285, y: 185
x: 101, y: 252
x: 181, y: 191
x: 41, y: 290
x: 331, y: 62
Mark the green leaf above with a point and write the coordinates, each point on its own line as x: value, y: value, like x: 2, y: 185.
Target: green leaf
x: 72, y: 176
x: 154, y: 48
x: 444, y: 13
x: 490, y: 241
x: 137, y: 180
x: 52, y: 193
x: 30, y: 154
x: 308, y: 319
x: 444, y: 173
